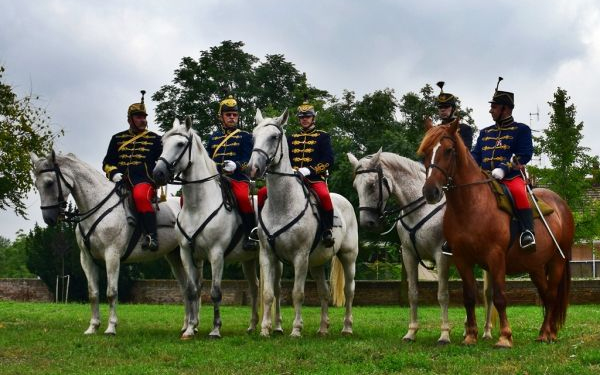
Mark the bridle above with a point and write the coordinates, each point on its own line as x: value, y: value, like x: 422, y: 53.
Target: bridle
x: 171, y: 165
x: 61, y: 202
x: 381, y: 182
x: 279, y: 147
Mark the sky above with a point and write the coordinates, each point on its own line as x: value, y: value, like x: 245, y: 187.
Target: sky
x: 88, y: 60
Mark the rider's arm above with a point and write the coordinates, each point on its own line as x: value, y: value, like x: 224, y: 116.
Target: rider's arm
x: 110, y: 163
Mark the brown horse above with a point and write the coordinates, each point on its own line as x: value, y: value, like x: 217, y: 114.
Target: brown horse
x: 479, y: 233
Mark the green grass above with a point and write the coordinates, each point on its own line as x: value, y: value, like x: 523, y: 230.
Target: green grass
x: 38, y: 338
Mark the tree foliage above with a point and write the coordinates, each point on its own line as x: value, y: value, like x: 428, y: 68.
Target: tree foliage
x: 13, y: 257
x: 24, y: 128
x: 570, y: 162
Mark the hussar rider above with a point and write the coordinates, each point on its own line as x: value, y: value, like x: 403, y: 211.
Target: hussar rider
x: 502, y: 149
x: 130, y: 159
x: 311, y: 155
x: 230, y: 148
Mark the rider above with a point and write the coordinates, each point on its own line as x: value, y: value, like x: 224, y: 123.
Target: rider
x: 231, y: 148
x: 494, y: 151
x: 311, y: 155
x: 446, y: 104
x: 130, y: 158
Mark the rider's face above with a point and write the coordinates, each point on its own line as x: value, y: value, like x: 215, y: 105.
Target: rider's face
x: 229, y: 119
x: 497, y: 111
x: 306, y: 121
x: 445, y: 112
x: 138, y: 122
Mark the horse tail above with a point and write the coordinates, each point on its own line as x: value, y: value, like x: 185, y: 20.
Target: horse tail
x: 562, y: 296
x: 487, y: 297
x: 337, y: 280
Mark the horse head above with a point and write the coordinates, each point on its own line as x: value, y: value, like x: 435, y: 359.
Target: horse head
x: 176, y: 156
x: 268, y: 148
x: 54, y: 187
x: 439, y: 152
x: 373, y: 188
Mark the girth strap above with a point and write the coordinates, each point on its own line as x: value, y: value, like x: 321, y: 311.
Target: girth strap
x: 191, y: 239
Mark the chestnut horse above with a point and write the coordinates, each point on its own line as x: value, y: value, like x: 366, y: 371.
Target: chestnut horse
x: 479, y: 233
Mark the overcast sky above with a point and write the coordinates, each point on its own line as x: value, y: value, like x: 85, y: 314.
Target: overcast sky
x: 87, y: 60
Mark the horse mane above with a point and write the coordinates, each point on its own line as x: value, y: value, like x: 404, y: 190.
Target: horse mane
x: 392, y: 161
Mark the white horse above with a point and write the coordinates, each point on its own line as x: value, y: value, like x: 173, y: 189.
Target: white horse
x: 419, y: 226
x: 103, y: 233
x: 209, y: 229
x: 288, y: 229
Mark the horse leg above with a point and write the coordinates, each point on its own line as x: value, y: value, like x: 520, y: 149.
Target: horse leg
x: 411, y: 266
x: 490, y: 313
x: 469, y: 299
x: 215, y: 293
x: 497, y: 270
x: 249, y: 268
x: 300, y: 270
x: 278, y: 269
x: 91, y: 273
x: 193, y: 284
x: 443, y: 296
x: 174, y: 259
x: 548, y: 296
x: 348, y: 260
x: 113, y: 265
x: 318, y: 274
x: 268, y: 274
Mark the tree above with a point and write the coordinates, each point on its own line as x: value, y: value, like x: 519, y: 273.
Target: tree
x: 13, y: 257
x: 570, y: 161
x: 23, y: 128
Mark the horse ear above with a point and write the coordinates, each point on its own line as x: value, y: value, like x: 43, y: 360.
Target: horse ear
x: 188, y: 122
x: 353, y: 160
x: 375, y: 158
x: 428, y: 123
x: 283, y: 119
x: 176, y: 123
x: 34, y: 158
x: 454, y: 126
x: 259, y: 117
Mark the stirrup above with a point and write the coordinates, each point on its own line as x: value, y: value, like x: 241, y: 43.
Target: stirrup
x: 253, y: 236
x: 150, y: 243
x: 446, y: 249
x: 527, y: 244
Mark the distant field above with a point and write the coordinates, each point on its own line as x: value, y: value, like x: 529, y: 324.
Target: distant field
x: 37, y: 338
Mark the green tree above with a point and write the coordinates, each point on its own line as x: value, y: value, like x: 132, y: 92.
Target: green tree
x: 570, y: 161
x: 23, y: 128
x: 13, y: 258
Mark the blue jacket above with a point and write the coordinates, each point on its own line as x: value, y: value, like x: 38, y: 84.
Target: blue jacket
x: 134, y: 159
x: 237, y: 148
x: 311, y: 149
x: 497, y: 144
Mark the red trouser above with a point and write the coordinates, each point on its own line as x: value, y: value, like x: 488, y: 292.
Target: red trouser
x: 320, y: 187
x: 241, y: 190
x: 518, y: 191
x: 142, y: 196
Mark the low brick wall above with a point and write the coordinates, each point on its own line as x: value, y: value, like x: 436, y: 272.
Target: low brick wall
x: 24, y: 290
x: 367, y: 292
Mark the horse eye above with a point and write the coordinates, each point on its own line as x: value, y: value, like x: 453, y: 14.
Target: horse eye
x: 449, y: 151
x: 274, y: 137
x: 49, y: 183
x: 180, y: 144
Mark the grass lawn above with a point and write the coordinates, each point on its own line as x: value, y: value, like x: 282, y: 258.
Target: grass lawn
x: 38, y: 338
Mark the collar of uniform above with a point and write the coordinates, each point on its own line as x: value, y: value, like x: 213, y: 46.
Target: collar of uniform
x: 228, y: 131
x: 507, y: 121
x: 308, y: 130
x: 448, y: 120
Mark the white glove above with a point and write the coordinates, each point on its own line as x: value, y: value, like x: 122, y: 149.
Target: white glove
x: 117, y: 177
x: 229, y: 166
x: 305, y: 171
x: 498, y: 173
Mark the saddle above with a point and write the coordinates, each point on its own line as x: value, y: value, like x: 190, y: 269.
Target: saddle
x: 229, y: 200
x: 505, y: 201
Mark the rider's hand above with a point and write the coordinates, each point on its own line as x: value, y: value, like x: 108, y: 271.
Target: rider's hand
x: 117, y: 177
x: 498, y: 173
x: 305, y: 171
x: 229, y: 166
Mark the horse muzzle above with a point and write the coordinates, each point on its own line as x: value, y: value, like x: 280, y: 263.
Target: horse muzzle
x: 50, y: 216
x: 433, y: 193
x: 161, y: 175
x: 370, y: 221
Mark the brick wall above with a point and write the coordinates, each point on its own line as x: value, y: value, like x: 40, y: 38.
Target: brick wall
x: 24, y: 290
x: 367, y: 292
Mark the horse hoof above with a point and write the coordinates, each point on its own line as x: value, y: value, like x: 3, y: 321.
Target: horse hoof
x: 408, y: 339
x: 443, y: 342
x: 296, y: 334
x: 486, y: 336
x: 346, y: 332
x: 323, y: 333
x: 469, y: 341
x: 503, y: 343
x: 278, y: 331
x: 110, y: 333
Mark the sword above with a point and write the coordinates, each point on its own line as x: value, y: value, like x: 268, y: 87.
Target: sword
x: 521, y: 168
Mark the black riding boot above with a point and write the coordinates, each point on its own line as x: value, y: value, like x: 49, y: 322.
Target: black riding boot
x: 150, y: 240
x: 527, y: 239
x: 250, y: 238
x: 328, y: 240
